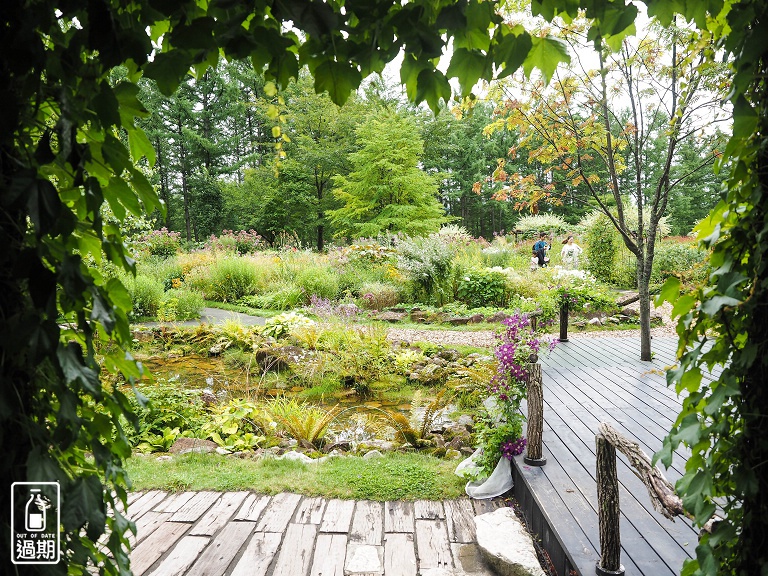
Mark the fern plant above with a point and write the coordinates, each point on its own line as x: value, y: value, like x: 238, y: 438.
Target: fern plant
x: 414, y: 429
x: 303, y: 422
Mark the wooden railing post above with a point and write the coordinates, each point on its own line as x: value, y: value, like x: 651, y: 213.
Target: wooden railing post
x: 564, y: 322
x: 533, y: 455
x: 608, y: 509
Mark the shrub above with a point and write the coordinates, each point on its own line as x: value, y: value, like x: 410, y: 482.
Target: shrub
x: 282, y: 324
x: 428, y: 263
x: 193, y: 260
x: 683, y: 260
x: 229, y: 279
x: 188, y: 304
x: 162, y: 243
x: 240, y: 242
x: 318, y: 281
x: 455, y: 235
x: 172, y: 411
x: 146, y: 294
x: 580, y: 290
x: 602, y: 246
x: 496, y: 256
x: 283, y: 297
x: 551, y: 223
x: 237, y: 425
x: 607, y: 257
x: 483, y: 288
x: 378, y: 295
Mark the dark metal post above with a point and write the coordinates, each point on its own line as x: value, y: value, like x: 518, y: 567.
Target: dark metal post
x: 564, y: 322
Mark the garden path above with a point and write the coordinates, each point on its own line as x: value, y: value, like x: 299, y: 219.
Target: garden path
x: 213, y: 316
x: 242, y: 533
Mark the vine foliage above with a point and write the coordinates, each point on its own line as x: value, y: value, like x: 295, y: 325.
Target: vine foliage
x: 69, y: 146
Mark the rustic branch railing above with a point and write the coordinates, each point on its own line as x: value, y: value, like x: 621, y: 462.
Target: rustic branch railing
x: 533, y: 455
x: 661, y: 491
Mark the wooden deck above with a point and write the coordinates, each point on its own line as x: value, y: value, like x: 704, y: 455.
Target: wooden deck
x: 247, y: 534
x: 588, y: 381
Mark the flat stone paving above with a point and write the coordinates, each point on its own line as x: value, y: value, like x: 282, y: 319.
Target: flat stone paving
x: 248, y: 534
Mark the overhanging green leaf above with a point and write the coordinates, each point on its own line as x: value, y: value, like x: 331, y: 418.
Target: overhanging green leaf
x: 546, y: 54
x: 339, y: 79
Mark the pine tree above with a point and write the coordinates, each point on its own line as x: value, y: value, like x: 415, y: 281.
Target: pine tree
x: 387, y: 192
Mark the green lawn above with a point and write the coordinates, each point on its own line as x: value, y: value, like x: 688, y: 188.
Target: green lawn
x: 393, y: 477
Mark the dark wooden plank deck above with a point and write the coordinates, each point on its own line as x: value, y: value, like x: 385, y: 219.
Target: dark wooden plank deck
x: 247, y: 534
x: 588, y: 381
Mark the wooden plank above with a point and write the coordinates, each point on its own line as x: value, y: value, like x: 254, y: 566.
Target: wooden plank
x: 155, y: 545
x: 148, y: 523
x: 216, y: 558
x: 337, y: 516
x: 195, y: 507
x: 432, y: 545
x: 145, y: 504
x: 330, y: 552
x: 547, y: 500
x: 219, y: 514
x: 182, y: 556
x: 310, y: 511
x: 174, y: 502
x: 428, y: 510
x: 278, y: 513
x: 367, y: 523
x: 133, y: 496
x: 489, y: 505
x: 252, y: 507
x: 398, y: 517
x: 258, y: 555
x: 364, y: 560
x: 399, y: 554
x: 579, y: 491
x: 295, y: 556
x: 640, y: 523
x: 460, y: 520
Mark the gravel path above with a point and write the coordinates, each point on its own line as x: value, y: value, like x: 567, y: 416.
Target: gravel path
x: 486, y: 338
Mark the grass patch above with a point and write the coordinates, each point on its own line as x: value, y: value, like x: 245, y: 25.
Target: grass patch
x: 393, y: 477
x: 242, y: 309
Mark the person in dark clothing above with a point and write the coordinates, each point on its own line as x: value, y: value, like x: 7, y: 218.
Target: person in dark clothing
x: 540, y: 250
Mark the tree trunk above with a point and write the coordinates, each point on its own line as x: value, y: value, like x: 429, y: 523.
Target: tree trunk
x: 534, y: 453
x: 608, y: 506
x: 643, y: 285
x: 164, y: 192
x: 319, y: 185
x: 184, y: 183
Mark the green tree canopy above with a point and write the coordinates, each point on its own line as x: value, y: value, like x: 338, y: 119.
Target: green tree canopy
x: 387, y: 192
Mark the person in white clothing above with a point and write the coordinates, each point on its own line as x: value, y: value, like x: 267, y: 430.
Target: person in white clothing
x: 570, y: 253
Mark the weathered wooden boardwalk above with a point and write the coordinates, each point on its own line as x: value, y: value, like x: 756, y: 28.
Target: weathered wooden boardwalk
x: 247, y: 534
x: 588, y: 381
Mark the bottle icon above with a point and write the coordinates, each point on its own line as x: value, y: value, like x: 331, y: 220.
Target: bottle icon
x: 34, y: 513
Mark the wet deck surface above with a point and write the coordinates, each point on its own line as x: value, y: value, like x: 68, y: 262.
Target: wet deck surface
x: 588, y: 381
x: 242, y: 533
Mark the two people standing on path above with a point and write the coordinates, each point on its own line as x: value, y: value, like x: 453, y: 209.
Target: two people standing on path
x: 569, y: 254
